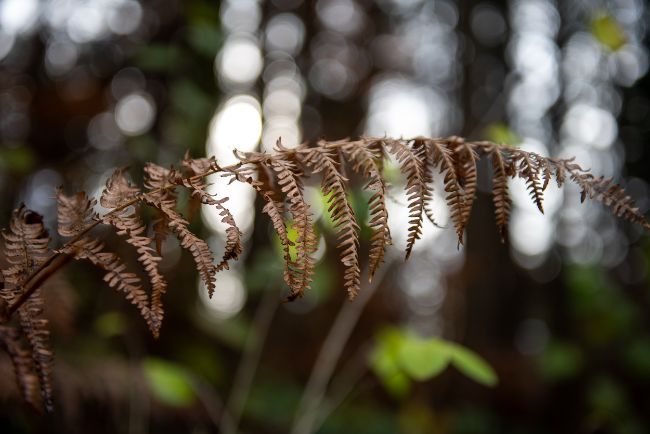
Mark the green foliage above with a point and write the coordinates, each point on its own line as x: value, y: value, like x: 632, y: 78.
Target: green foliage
x: 473, y: 366
x: 169, y: 382
x: 502, y: 133
x: 608, y: 31
x: 400, y: 356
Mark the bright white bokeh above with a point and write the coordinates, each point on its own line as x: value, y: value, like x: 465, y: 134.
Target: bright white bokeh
x: 135, y: 113
x: 399, y: 108
x: 240, y: 15
x: 531, y: 233
x: 18, y: 16
x: 229, y: 295
x: 240, y: 61
x: 86, y: 23
x: 285, y: 32
x: 590, y: 126
x: 125, y: 17
x: 280, y: 127
x: 237, y: 125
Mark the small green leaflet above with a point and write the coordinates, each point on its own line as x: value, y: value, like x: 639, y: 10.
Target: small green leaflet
x: 400, y: 356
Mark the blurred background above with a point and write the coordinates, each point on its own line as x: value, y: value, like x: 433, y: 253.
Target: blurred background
x: 560, y: 312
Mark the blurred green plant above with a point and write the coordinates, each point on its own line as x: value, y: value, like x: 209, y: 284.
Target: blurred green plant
x: 607, y: 31
x: 400, y: 357
x: 501, y: 133
x: 169, y: 382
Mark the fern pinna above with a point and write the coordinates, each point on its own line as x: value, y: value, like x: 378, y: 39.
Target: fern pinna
x: 278, y: 178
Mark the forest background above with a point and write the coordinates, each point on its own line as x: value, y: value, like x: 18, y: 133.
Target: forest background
x: 560, y: 311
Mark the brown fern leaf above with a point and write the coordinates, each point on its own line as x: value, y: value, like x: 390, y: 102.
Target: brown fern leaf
x: 273, y: 207
x: 443, y: 158
x: 606, y: 191
x: 364, y: 161
x: 560, y: 170
x: 119, y: 191
x: 74, y: 213
x: 21, y: 358
x: 164, y: 200
x: 26, y: 248
x: 465, y: 160
x: 130, y: 225
x: 234, y: 245
x: 289, y: 181
x: 500, y: 197
x: 546, y: 170
x: 425, y: 153
x: 197, y: 169
x: 323, y: 160
x: 37, y: 334
x: 412, y: 166
x: 116, y: 275
x: 156, y: 178
x: 529, y: 170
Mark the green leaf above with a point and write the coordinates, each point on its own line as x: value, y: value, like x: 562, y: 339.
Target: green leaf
x: 502, y: 133
x: 472, y: 365
x: 169, y: 382
x: 385, y: 364
x: 608, y: 31
x: 423, y: 359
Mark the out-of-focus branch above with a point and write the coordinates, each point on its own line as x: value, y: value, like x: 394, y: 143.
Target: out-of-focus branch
x: 307, y: 412
x: 241, y: 386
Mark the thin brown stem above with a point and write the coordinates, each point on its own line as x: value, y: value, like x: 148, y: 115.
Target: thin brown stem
x: 330, y: 353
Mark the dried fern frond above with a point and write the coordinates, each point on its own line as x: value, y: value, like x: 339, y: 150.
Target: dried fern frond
x: 35, y: 329
x: 417, y: 190
x: 127, y: 222
x: 465, y: 160
x: 234, y: 245
x: 444, y: 160
x: 165, y: 201
x: 273, y: 207
x: 74, y: 213
x: 529, y: 170
x: 289, y: 180
x: 364, y: 160
x: 21, y: 359
x: 116, y: 275
x: 26, y: 248
x: 323, y: 160
x: 278, y: 179
x: 500, y: 196
x: 603, y: 190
